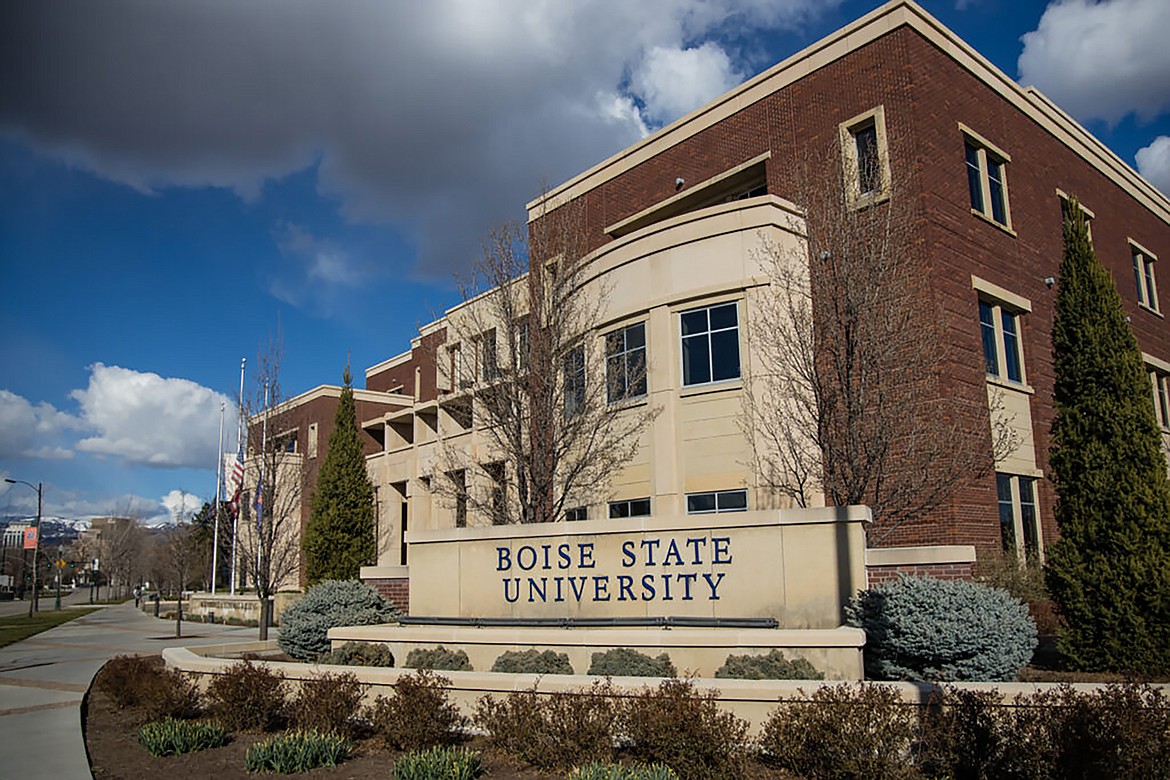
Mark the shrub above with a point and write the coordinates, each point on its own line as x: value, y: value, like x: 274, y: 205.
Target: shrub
x: 843, y: 731
x: 248, y: 696
x: 297, y: 751
x: 533, y: 662
x: 676, y: 725
x: 438, y: 763
x: 305, y: 625
x: 134, y: 681
x: 419, y: 714
x: 552, y: 732
x: 360, y: 654
x: 328, y: 702
x: 597, y: 771
x: 773, y: 666
x: 438, y: 658
x: 170, y: 736
x: 919, y: 628
x: 624, y: 662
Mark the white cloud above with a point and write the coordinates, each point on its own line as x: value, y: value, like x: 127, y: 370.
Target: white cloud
x: 33, y: 431
x: 1153, y: 162
x: 150, y: 420
x: 436, y: 117
x: 673, y: 81
x: 1101, y: 60
x: 181, y: 503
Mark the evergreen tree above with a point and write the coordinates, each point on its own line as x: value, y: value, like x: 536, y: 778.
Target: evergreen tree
x: 1110, y: 571
x: 340, y: 535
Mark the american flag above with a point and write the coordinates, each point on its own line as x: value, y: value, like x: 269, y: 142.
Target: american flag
x: 234, y: 479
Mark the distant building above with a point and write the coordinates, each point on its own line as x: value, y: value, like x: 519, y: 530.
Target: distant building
x: 990, y: 166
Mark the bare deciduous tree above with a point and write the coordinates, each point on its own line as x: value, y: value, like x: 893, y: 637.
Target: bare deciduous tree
x: 526, y: 370
x: 268, y: 546
x: 845, y: 399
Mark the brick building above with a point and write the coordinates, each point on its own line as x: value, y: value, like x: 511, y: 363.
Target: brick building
x: 673, y: 223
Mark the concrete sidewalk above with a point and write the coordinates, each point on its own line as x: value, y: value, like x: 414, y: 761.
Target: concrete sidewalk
x: 43, y: 679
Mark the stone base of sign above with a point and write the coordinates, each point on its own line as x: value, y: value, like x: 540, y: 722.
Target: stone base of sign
x: 243, y: 606
x: 694, y: 651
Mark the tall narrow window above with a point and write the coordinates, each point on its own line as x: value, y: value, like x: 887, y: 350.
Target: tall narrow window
x: 625, y: 363
x: 1160, y: 381
x: 986, y: 178
x: 574, y: 381
x: 1028, y: 517
x: 710, y: 344
x: 865, y: 158
x: 1143, y: 275
x: 1011, y: 346
x: 987, y: 328
x: 459, y: 483
x: 999, y: 328
x: 488, y: 361
x: 1007, y: 512
x: 1019, y: 522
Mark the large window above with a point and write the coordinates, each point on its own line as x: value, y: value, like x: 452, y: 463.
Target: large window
x: 710, y: 344
x: 987, y: 178
x: 625, y: 362
x: 717, y: 501
x: 865, y: 159
x: 1000, y: 330
x: 1143, y: 276
x: 634, y: 507
x: 574, y: 379
x: 1018, y: 519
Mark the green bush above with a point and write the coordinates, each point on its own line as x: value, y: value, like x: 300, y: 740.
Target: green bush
x: 438, y: 763
x: 843, y: 731
x: 676, y: 725
x: 360, y: 654
x: 597, y: 771
x: 329, y: 702
x: 624, y: 662
x: 297, y: 751
x: 438, y: 658
x: 773, y: 666
x: 533, y: 662
x: 248, y: 696
x: 557, y: 731
x: 135, y: 681
x: 920, y: 628
x: 170, y: 736
x: 419, y: 714
x: 304, y: 626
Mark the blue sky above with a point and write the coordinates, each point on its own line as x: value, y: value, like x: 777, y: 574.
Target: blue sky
x: 180, y: 182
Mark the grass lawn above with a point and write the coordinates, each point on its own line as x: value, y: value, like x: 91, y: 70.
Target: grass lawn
x: 18, y: 627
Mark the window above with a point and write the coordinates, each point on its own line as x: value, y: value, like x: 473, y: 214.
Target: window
x: 459, y: 483
x: 489, y: 366
x: 986, y: 178
x: 1000, y: 330
x: 717, y: 501
x: 864, y: 156
x: 710, y: 344
x: 1019, y: 524
x: 520, y: 359
x: 1143, y: 276
x: 574, y: 380
x: 312, y: 440
x: 498, y: 496
x: 634, y: 507
x: 458, y: 380
x: 577, y: 513
x: 1160, y: 381
x: 625, y: 363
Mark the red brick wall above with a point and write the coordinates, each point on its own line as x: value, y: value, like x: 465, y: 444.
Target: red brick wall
x: 878, y: 575
x: 395, y: 589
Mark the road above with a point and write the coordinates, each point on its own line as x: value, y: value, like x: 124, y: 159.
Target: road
x: 43, y: 680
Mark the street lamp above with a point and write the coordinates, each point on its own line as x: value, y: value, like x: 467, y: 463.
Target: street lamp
x: 39, y: 487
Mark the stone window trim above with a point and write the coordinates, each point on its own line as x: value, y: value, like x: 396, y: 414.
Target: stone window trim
x: 630, y: 507
x: 1089, y: 215
x: 1019, y: 516
x: 704, y: 341
x: 717, y: 501
x: 987, y: 179
x: 867, y: 183
x: 1159, y: 373
x: 1145, y: 281
x: 1000, y: 317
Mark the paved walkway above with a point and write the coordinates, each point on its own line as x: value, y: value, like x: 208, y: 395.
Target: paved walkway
x: 43, y: 679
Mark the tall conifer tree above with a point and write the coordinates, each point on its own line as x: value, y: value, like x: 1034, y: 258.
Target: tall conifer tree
x: 1110, y: 571
x: 339, y: 538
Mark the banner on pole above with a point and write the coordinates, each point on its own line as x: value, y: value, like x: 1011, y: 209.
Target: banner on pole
x: 30, y: 537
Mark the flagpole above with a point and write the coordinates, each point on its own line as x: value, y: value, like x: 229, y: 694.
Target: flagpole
x: 218, y: 495
x: 239, y: 453
x: 260, y: 498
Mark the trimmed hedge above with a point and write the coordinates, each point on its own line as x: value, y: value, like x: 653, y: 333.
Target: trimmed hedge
x: 773, y: 666
x: 624, y: 662
x: 533, y: 662
x: 438, y: 658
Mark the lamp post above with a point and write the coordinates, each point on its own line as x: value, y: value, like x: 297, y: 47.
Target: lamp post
x: 39, y: 487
